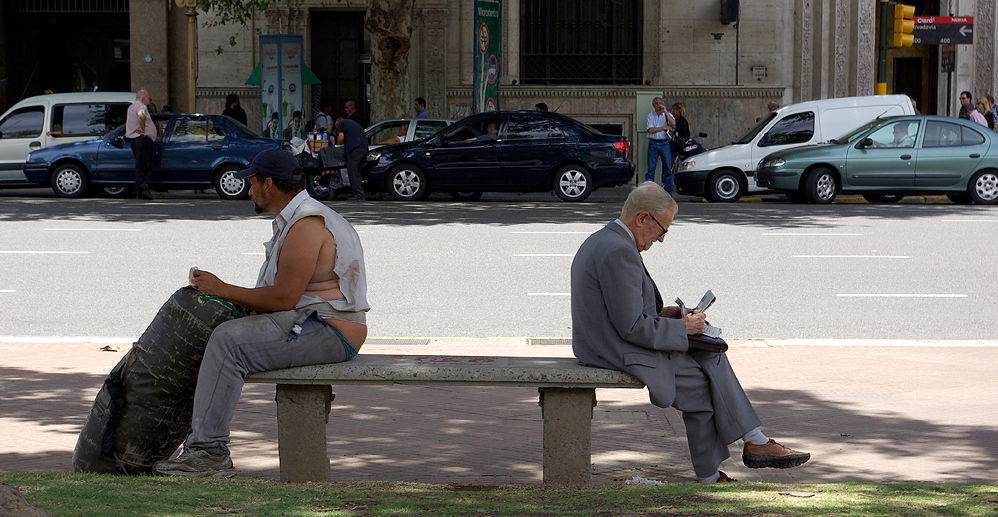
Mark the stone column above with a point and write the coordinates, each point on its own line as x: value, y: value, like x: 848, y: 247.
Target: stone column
x: 150, y: 60
x: 568, y: 418
x: 431, y: 67
x: 302, y: 415
x: 985, y: 57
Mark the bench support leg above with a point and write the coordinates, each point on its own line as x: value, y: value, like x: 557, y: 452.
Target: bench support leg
x: 302, y: 415
x: 568, y: 417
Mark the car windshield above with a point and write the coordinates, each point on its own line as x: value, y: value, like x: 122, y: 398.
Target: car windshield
x: 747, y: 137
x: 856, y: 133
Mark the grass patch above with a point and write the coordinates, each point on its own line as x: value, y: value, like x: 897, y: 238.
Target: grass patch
x: 112, y: 496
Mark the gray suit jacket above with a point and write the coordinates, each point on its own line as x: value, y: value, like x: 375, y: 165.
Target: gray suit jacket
x: 614, y: 321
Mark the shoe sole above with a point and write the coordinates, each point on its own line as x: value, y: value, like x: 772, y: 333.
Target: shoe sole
x: 219, y: 474
x: 753, y: 461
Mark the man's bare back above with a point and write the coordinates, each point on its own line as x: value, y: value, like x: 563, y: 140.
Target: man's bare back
x: 325, y: 283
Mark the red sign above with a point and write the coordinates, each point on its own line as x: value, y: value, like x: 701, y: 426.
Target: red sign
x: 932, y: 20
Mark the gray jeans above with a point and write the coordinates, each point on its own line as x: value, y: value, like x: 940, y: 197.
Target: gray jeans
x: 248, y: 345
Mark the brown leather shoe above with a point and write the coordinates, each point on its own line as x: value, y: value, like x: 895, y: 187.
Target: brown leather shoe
x: 772, y: 455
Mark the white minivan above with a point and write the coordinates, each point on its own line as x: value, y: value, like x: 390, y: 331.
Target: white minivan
x: 59, y: 118
x: 723, y: 174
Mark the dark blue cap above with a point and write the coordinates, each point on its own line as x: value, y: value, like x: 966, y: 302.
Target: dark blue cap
x: 277, y: 163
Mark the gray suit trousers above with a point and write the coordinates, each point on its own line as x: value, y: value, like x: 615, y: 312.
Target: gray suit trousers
x: 715, y: 409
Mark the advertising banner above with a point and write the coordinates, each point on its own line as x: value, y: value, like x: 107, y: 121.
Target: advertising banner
x: 488, y: 38
x: 281, y: 92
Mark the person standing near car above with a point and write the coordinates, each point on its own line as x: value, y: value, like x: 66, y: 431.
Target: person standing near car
x: 140, y: 132
x: 420, y: 106
x: 351, y: 136
x: 682, y: 129
x: 660, y: 125
x: 232, y: 109
x: 350, y: 108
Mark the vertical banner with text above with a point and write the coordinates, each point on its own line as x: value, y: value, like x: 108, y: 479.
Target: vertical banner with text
x: 488, y: 38
x: 281, y: 92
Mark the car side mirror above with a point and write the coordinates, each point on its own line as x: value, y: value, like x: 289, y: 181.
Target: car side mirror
x: 702, y: 135
x: 1, y: 134
x: 864, y: 143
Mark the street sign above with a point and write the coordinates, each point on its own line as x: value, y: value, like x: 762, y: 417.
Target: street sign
x: 943, y: 30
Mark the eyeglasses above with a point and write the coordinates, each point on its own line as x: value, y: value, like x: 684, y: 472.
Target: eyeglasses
x: 664, y: 231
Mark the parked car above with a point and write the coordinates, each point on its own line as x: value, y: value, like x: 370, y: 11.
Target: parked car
x: 726, y: 173
x: 887, y: 159
x: 62, y: 118
x: 387, y: 132
x: 509, y: 151
x: 193, y: 151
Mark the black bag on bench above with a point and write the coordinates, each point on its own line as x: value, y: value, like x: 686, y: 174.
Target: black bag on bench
x: 143, y: 411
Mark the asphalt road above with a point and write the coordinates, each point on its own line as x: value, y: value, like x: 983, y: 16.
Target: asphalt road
x: 500, y: 267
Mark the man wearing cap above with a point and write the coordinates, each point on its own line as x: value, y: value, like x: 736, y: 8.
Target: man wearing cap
x: 310, y: 304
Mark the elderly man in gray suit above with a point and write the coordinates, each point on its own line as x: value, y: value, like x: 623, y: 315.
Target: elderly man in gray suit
x: 619, y: 322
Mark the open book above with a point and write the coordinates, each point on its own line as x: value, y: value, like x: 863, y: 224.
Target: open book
x: 707, y: 300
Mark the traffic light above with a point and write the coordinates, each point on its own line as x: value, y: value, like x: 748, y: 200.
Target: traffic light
x: 903, y: 25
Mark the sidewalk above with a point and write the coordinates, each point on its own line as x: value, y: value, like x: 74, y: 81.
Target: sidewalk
x: 877, y: 411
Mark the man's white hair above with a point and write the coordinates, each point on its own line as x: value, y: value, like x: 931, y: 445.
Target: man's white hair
x: 648, y: 197
x: 141, y: 94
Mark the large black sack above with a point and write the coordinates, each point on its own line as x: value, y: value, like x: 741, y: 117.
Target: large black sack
x: 143, y: 411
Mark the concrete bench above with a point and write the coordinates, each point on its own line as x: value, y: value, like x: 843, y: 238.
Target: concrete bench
x: 567, y: 397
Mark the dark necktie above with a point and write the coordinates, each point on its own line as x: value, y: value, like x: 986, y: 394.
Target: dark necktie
x: 659, y: 303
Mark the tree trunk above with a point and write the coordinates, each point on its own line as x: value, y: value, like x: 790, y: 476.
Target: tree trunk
x: 390, y: 23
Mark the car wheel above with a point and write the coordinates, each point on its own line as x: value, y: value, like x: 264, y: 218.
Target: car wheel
x: 573, y: 183
x: 960, y: 198
x: 473, y: 195
x: 795, y: 197
x: 119, y: 192
x: 882, y: 198
x: 723, y: 187
x: 227, y: 186
x: 983, y: 188
x: 407, y: 183
x: 70, y: 180
x: 820, y: 186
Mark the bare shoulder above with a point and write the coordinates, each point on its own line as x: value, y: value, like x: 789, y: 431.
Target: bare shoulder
x: 312, y: 228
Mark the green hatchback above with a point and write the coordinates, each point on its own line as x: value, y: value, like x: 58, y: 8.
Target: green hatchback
x: 890, y: 158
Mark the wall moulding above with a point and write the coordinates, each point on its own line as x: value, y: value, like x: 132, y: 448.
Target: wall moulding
x: 672, y: 92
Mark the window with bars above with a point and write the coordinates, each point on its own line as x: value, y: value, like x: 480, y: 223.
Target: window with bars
x: 580, y: 41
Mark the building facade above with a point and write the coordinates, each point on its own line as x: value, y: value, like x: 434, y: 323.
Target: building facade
x: 599, y: 61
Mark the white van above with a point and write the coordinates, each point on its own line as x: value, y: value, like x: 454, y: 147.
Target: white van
x: 723, y: 174
x: 54, y: 119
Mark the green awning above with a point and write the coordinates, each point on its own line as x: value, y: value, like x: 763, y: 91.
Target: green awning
x: 309, y: 76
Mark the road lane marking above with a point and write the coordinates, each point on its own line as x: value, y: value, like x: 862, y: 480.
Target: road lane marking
x: 817, y: 234
x: 45, y: 252
x: 7, y: 291
x: 543, y: 255
x: 900, y: 295
x: 549, y: 294
x: 92, y: 229
x: 968, y: 220
x: 852, y: 256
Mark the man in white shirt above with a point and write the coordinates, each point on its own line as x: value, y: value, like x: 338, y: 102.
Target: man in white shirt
x: 140, y: 132
x: 310, y: 301
x: 660, y: 125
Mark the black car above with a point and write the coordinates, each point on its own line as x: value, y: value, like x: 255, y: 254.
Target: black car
x: 521, y: 151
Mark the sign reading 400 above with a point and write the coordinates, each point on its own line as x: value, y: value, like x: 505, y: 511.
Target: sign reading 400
x: 943, y: 30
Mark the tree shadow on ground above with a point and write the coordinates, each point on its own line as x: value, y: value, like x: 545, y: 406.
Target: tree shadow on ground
x: 502, y: 209
x: 488, y: 435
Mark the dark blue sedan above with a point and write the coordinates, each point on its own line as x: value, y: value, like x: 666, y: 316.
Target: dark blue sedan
x: 522, y: 151
x: 193, y: 152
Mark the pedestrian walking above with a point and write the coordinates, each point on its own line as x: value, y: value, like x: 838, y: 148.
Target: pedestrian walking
x: 232, y: 108
x: 140, y: 132
x: 351, y: 136
x: 660, y: 125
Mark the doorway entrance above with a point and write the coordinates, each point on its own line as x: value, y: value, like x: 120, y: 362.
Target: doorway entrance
x: 90, y: 47
x: 337, y: 45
